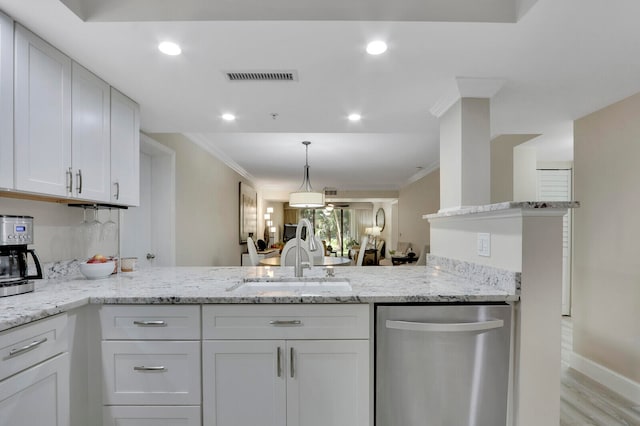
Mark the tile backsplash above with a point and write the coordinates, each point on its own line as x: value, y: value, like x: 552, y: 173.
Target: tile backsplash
x: 58, y: 233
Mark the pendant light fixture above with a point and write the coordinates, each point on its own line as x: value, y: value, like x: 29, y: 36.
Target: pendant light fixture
x: 305, y: 197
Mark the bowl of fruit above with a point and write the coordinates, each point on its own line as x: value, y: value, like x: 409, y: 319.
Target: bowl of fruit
x: 97, y: 267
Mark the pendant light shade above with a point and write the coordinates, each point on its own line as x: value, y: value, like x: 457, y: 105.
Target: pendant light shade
x: 305, y: 197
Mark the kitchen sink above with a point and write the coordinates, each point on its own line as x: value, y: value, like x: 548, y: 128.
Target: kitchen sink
x: 298, y: 285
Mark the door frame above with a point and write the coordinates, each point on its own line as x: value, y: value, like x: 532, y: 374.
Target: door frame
x: 163, y: 196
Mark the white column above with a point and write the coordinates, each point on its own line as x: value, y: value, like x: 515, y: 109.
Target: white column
x: 465, y: 150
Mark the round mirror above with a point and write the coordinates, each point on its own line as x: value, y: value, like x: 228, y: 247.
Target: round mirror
x: 380, y: 218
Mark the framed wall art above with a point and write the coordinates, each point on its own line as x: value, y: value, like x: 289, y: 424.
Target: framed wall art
x: 248, y: 201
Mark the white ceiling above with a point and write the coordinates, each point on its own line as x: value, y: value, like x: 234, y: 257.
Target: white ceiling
x: 561, y: 60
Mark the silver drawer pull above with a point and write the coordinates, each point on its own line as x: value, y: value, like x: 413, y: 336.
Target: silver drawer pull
x: 27, y: 348
x: 279, y: 362
x: 292, y: 355
x: 151, y: 323
x: 143, y: 368
x: 285, y: 323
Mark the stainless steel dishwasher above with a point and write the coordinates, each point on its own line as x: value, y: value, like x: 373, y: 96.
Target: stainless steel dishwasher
x: 442, y: 365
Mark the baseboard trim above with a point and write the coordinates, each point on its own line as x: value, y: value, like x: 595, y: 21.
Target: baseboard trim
x: 609, y: 378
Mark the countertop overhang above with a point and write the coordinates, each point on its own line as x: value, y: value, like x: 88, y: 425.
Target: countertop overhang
x: 209, y: 285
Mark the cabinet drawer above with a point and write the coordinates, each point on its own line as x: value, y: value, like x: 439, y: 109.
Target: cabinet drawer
x: 285, y: 322
x: 27, y: 345
x: 124, y: 322
x: 144, y: 372
x: 151, y: 416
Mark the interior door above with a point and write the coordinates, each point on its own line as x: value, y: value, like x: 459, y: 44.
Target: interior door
x: 136, y: 221
x: 148, y: 231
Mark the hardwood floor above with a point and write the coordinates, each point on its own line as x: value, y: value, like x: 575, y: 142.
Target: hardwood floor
x: 585, y: 402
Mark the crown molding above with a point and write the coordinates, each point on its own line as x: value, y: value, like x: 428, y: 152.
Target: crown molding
x: 466, y: 87
x: 203, y: 142
x: 422, y: 173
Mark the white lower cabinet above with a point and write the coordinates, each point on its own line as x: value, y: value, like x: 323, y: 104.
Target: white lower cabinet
x: 150, y: 378
x: 37, y: 396
x: 151, y: 416
x: 292, y: 382
x: 243, y: 383
x: 34, y: 374
x: 328, y: 383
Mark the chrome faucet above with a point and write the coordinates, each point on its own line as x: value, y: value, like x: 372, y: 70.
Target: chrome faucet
x: 300, y: 265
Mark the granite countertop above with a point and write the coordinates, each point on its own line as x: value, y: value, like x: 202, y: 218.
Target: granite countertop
x: 203, y: 285
x: 507, y: 205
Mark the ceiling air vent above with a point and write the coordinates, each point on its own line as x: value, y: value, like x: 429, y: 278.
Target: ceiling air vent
x: 287, y: 75
x: 330, y: 192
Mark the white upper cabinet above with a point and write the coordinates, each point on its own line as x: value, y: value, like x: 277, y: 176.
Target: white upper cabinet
x: 90, y: 135
x: 6, y: 101
x: 125, y: 150
x: 42, y: 116
x: 74, y: 136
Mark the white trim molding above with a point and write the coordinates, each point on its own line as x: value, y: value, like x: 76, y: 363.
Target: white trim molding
x: 466, y: 87
x: 609, y: 378
x: 203, y: 142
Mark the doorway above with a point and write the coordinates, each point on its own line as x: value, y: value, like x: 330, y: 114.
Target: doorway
x: 148, y: 231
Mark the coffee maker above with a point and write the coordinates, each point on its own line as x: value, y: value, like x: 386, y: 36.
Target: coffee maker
x: 16, y: 232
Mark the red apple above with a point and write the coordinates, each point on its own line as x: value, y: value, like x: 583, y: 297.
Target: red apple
x: 98, y: 258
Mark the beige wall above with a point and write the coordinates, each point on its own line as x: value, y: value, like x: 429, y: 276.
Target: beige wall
x: 207, y: 216
x: 415, y: 200
x: 606, y: 277
x: 502, y: 165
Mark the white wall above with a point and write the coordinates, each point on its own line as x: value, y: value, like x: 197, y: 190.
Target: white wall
x: 57, y: 230
x: 207, y: 212
x: 502, y: 166
x: 524, y: 174
x: 606, y: 277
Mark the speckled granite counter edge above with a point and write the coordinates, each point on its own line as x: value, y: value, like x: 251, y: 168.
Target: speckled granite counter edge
x: 525, y: 205
x: 499, y: 279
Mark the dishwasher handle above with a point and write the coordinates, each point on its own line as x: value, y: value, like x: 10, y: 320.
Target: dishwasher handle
x: 445, y: 327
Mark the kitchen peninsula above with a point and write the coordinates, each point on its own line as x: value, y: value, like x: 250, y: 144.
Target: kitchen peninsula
x: 225, y: 321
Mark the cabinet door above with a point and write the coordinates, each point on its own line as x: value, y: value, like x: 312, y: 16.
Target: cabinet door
x: 6, y: 101
x: 37, y: 396
x: 328, y: 383
x: 125, y: 150
x: 90, y: 135
x: 244, y: 383
x: 42, y: 116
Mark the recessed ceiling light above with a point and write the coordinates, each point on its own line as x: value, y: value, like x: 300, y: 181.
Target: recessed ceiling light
x: 354, y: 117
x: 228, y: 117
x: 169, y: 48
x: 376, y: 47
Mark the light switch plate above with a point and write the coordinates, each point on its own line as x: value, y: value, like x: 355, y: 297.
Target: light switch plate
x: 484, y: 244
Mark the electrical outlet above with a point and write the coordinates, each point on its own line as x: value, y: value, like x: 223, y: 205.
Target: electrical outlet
x: 484, y: 244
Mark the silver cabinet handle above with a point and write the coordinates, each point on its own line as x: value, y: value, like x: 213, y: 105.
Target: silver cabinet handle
x: 151, y: 256
x: 117, y: 194
x: 291, y: 364
x: 79, y: 181
x: 27, y: 348
x: 69, y: 180
x: 159, y: 323
x: 143, y: 368
x: 285, y: 323
x: 445, y: 327
x: 279, y: 361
